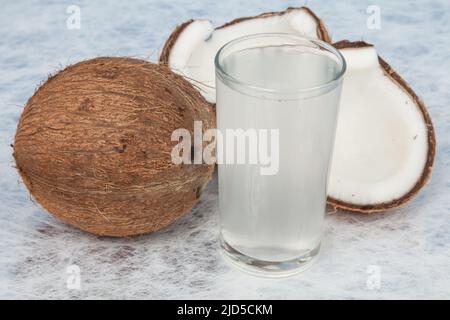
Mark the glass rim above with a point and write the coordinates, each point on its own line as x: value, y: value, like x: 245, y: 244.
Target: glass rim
x: 320, y: 43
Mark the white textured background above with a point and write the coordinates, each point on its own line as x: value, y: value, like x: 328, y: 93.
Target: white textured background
x: 411, y: 246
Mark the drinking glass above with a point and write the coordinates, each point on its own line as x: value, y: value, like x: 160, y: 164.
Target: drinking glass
x: 277, y: 101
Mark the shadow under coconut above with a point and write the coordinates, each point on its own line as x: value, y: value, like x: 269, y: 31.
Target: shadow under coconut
x: 357, y: 218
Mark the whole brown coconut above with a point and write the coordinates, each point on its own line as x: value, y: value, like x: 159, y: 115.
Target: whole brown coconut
x: 93, y: 146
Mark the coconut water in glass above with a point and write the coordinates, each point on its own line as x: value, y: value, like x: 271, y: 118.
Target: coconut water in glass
x: 275, y: 87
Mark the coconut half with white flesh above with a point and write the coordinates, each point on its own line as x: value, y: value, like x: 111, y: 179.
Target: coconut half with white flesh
x: 192, y: 46
x: 385, y: 142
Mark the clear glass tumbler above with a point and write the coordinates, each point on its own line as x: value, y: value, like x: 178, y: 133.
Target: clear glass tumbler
x: 277, y: 105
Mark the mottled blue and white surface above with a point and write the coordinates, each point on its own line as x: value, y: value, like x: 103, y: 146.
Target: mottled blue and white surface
x: 409, y: 247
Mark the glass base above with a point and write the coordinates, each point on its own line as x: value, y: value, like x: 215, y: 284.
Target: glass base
x: 271, y: 269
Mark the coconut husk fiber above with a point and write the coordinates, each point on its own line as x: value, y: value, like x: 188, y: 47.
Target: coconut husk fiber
x: 93, y: 146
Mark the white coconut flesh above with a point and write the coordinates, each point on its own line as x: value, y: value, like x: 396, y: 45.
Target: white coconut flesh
x: 193, y: 52
x: 382, y: 139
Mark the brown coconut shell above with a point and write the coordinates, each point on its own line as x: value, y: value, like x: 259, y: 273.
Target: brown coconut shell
x: 426, y: 172
x: 322, y: 32
x: 93, y: 146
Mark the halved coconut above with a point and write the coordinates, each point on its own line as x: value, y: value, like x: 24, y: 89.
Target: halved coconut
x: 385, y: 142
x: 191, y: 48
